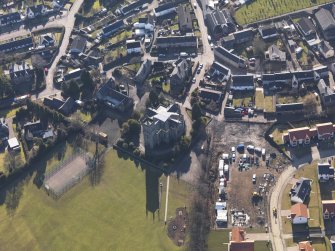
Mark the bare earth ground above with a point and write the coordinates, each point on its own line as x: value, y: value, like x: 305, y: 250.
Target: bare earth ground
x: 177, y: 226
x: 240, y: 186
x: 66, y: 174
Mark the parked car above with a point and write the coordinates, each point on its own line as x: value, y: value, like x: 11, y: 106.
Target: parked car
x: 198, y: 71
x: 254, y: 178
x: 233, y: 157
x: 193, y: 80
x: 250, y: 148
x: 240, y: 148
x: 233, y: 149
x: 258, y: 150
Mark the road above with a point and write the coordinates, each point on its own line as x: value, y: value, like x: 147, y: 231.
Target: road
x: 277, y: 237
x: 167, y: 198
x: 67, y: 21
x: 206, y: 58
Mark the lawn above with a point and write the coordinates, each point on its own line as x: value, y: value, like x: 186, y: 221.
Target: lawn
x: 7, y: 113
x: 166, y: 87
x: 243, y: 99
x: 314, y: 202
x: 288, y: 99
x: 121, y: 36
x: 318, y: 244
x: 262, y: 102
x: 262, y: 9
x: 218, y: 240
x: 303, y: 57
x: 83, y: 116
x: 109, y: 216
x: 268, y: 104
x: 259, y: 99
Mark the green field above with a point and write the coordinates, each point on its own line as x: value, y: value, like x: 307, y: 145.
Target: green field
x: 262, y: 9
x: 109, y: 216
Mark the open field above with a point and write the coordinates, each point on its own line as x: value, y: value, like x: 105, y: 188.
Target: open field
x: 118, y: 209
x: 262, y: 9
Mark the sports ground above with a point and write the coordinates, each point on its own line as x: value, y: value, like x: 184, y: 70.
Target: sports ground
x: 110, y: 216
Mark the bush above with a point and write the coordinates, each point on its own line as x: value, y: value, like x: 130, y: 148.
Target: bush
x: 120, y: 142
x: 131, y: 146
x: 125, y: 146
x: 137, y: 151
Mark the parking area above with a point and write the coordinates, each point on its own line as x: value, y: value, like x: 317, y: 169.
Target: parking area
x: 250, y: 169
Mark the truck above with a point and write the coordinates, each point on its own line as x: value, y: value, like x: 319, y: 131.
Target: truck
x: 183, y: 55
x: 103, y: 138
x: 221, y: 165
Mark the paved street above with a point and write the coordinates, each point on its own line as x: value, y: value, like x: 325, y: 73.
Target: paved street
x: 277, y: 237
x: 206, y: 58
x: 67, y: 21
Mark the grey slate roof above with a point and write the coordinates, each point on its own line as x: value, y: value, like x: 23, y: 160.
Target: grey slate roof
x: 17, y: 44
x: 176, y: 39
x: 243, y: 80
x: 112, y: 28
x: 301, y: 190
x: 224, y: 52
x: 78, y: 44
x: 325, y: 19
x: 292, y: 107
x: 306, y: 26
x: 10, y: 18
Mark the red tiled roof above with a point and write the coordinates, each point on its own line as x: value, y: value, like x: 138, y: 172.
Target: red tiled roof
x: 325, y: 128
x: 286, y: 138
x: 299, y: 210
x: 242, y: 246
x: 299, y: 133
x: 305, y: 246
x: 328, y: 206
x: 313, y: 132
x: 237, y: 234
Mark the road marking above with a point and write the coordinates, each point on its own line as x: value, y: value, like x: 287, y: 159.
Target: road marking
x: 167, y: 197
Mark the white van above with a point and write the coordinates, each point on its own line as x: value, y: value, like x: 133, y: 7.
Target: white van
x: 254, y: 178
x: 209, y: 38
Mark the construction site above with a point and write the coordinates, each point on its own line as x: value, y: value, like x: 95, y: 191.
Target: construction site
x: 244, y: 169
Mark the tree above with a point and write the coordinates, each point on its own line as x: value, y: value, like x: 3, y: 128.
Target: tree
x: 87, y: 80
x: 71, y: 89
x: 136, y: 115
x: 259, y: 46
x: 6, y: 88
x: 310, y: 105
x: 153, y: 98
x: 196, y: 111
x: 184, y: 143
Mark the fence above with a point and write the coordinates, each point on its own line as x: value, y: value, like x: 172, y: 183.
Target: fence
x: 68, y: 182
